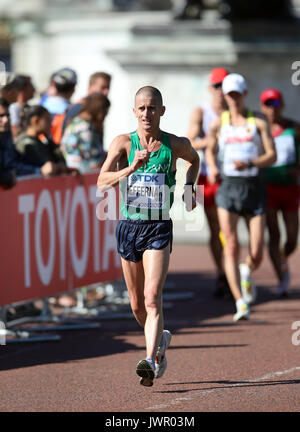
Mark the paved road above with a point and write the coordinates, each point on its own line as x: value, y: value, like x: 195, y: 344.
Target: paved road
x: 214, y: 364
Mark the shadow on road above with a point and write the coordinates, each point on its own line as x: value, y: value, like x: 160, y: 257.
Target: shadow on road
x: 186, y: 316
x: 229, y: 385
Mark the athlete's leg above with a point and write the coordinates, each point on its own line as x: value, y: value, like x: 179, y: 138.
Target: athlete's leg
x: 214, y: 242
x: 256, y: 232
x: 274, y: 240
x: 291, y: 220
x: 134, y: 278
x: 228, y: 224
x: 156, y: 264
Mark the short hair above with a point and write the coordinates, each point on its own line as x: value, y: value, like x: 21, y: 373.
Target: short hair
x: 22, y: 81
x: 64, y: 80
x: 4, y: 103
x: 10, y: 83
x: 151, y: 90
x: 94, y: 103
x: 64, y: 88
x: 95, y: 76
x: 35, y: 111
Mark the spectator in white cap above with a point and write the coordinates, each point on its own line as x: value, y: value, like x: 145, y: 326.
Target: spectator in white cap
x: 245, y: 146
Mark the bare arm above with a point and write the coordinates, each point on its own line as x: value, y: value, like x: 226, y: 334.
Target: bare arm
x: 298, y: 142
x: 183, y: 149
x: 269, y: 156
x: 195, y: 130
x: 110, y: 174
x: 295, y: 172
x: 15, y: 130
x: 211, y: 150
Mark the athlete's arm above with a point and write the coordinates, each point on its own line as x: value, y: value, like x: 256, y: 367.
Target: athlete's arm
x: 269, y: 157
x: 297, y: 128
x: 195, y: 130
x: 182, y: 148
x: 297, y: 136
x: 211, y: 150
x: 110, y: 174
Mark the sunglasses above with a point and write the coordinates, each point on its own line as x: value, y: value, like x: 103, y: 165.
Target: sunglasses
x: 216, y: 86
x: 272, y: 103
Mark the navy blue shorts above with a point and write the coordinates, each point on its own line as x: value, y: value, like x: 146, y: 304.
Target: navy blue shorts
x: 136, y: 236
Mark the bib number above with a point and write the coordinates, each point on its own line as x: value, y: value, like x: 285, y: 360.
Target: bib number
x: 285, y: 149
x: 146, y: 190
x: 239, y: 152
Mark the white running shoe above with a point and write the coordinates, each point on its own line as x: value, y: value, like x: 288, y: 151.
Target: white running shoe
x: 284, y: 286
x: 160, y: 358
x: 145, y: 370
x: 243, y: 312
x: 247, y: 286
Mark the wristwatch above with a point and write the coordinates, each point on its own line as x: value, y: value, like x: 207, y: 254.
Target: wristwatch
x: 250, y: 164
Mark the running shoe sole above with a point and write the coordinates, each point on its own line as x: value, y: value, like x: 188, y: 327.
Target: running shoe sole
x: 144, y: 370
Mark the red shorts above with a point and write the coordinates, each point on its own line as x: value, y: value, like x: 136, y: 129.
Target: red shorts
x: 285, y: 198
x: 210, y: 190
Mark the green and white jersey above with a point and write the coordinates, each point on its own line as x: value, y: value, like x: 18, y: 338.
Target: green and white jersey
x: 148, y: 193
x: 287, y: 149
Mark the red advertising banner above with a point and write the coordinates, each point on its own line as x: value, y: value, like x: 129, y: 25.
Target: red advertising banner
x: 51, y: 239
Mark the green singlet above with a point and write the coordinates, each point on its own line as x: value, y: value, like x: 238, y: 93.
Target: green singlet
x: 148, y: 193
x: 287, y: 149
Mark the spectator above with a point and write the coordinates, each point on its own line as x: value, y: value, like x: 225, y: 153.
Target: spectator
x: 12, y: 162
x: 9, y: 90
x: 64, y: 81
x: 29, y: 156
x: 99, y: 82
x: 17, y: 109
x: 7, y: 172
x: 51, y: 91
x: 45, y: 155
x: 81, y: 141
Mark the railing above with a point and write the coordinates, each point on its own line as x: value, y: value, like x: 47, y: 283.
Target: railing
x: 52, y: 242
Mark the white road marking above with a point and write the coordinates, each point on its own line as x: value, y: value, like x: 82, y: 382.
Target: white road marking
x: 205, y: 392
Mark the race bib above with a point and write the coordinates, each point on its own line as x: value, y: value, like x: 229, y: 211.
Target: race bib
x: 239, y: 152
x: 146, y: 190
x: 285, y: 149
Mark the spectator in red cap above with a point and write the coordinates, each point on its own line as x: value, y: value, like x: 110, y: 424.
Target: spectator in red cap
x: 200, y: 120
x: 282, y: 185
